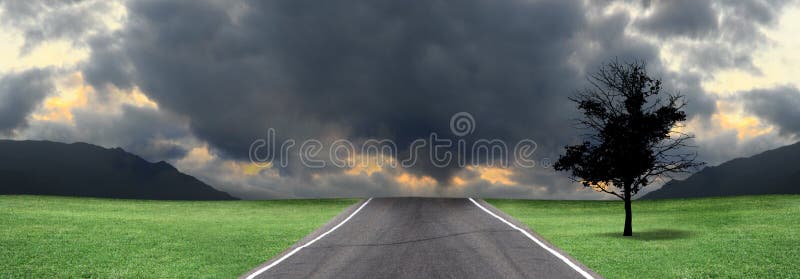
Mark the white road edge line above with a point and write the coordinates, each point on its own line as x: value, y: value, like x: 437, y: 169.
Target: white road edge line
x: 251, y: 276
x: 554, y: 252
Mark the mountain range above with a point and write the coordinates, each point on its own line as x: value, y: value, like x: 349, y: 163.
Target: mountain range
x: 86, y: 170
x: 776, y: 171
x: 82, y: 169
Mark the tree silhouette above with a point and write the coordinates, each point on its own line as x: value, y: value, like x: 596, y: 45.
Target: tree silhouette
x: 632, y: 136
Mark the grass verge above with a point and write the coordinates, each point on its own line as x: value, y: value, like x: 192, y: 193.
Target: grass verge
x: 737, y: 237
x: 59, y: 237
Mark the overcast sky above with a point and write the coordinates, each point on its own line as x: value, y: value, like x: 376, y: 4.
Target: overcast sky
x: 194, y: 83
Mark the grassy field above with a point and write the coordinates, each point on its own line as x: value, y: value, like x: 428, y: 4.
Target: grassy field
x: 45, y: 237
x: 56, y: 237
x: 736, y: 237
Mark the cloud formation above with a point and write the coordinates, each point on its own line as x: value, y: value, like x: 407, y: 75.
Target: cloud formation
x: 712, y: 34
x: 218, y: 74
x: 20, y: 94
x: 44, y: 20
x: 689, y: 18
x: 369, y: 68
x: 779, y: 105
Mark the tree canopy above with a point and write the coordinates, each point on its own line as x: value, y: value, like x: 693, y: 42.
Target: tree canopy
x: 633, y: 132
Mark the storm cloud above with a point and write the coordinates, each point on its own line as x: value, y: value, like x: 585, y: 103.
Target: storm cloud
x: 220, y: 73
x: 20, y: 93
x: 780, y: 106
x: 373, y: 69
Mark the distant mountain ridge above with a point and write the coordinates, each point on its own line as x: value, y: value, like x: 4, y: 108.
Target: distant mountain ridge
x: 776, y: 171
x: 86, y: 170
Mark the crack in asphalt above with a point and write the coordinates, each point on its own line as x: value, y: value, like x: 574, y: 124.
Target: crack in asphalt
x: 409, y: 241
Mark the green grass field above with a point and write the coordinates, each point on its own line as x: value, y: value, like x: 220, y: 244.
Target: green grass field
x: 45, y: 237
x: 736, y: 237
x: 56, y: 237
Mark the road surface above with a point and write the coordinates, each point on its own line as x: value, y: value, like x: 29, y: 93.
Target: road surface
x: 422, y: 238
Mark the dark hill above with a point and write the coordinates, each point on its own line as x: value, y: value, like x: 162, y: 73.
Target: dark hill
x: 775, y: 171
x: 81, y: 169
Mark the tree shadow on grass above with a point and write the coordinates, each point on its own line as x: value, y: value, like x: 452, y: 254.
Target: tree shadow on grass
x: 658, y: 234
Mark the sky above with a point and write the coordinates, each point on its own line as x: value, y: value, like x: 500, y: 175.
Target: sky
x: 197, y: 83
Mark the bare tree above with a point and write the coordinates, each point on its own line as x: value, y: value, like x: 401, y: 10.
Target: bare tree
x: 633, y: 134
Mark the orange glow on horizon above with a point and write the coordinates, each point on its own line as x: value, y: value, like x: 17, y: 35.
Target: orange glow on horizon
x: 415, y: 182
x: 494, y: 175
x: 58, y: 108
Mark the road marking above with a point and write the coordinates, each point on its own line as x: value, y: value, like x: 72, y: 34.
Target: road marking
x: 554, y: 252
x: 309, y: 243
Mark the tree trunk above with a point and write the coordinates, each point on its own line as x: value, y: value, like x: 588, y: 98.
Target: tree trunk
x: 628, y: 231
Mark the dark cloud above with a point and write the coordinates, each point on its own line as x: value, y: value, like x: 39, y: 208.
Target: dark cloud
x: 20, y: 93
x: 780, y: 106
x: 741, y: 19
x: 713, y: 56
x: 372, y: 68
x: 690, y: 18
x: 361, y: 69
x: 735, y: 21
x: 698, y: 102
x: 607, y: 39
x: 108, y: 62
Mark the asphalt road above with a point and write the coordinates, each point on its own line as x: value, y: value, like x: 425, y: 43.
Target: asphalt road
x: 422, y: 238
